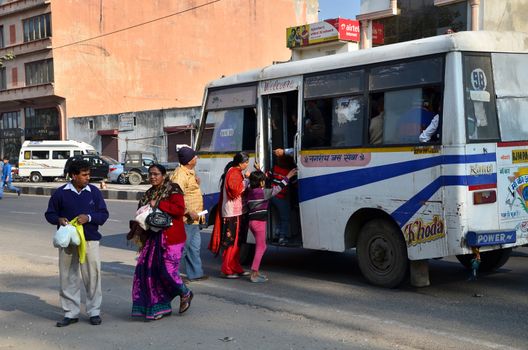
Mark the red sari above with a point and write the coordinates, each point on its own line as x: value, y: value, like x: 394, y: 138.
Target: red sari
x: 227, y: 228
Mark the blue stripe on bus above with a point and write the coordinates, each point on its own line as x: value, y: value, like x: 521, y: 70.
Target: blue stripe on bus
x: 318, y: 186
x: 404, y: 213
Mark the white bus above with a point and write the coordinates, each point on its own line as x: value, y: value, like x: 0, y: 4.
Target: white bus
x: 40, y: 160
x: 367, y: 180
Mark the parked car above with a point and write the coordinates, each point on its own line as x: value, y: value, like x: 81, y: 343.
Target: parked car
x: 116, y: 174
x: 137, y: 163
x: 100, y: 165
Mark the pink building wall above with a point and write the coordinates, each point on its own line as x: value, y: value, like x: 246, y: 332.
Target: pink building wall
x: 167, y: 62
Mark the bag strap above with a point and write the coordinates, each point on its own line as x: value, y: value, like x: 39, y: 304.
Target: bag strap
x: 157, y: 203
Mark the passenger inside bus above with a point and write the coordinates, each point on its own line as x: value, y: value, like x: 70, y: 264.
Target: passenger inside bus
x: 414, y: 121
x: 314, y: 126
x: 376, y: 121
x: 432, y: 132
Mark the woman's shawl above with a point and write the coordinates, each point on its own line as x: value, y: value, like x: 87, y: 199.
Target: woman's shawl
x: 162, y: 192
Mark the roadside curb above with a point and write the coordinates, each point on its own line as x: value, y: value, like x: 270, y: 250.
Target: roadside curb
x: 107, y: 194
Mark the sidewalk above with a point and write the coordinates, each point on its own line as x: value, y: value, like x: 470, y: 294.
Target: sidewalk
x: 112, y: 191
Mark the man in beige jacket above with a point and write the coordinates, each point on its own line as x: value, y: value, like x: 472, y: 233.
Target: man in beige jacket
x: 186, y: 178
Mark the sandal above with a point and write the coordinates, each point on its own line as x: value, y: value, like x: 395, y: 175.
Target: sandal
x: 185, y: 302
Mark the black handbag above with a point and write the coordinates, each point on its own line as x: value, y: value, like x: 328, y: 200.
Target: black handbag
x: 158, y: 218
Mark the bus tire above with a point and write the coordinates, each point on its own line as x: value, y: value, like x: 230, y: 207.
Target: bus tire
x: 382, y: 253
x: 35, y: 177
x: 489, y: 261
x: 134, y: 178
x: 247, y: 252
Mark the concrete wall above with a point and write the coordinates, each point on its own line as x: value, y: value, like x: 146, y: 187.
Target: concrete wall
x: 147, y: 135
x: 504, y: 15
x: 165, y: 63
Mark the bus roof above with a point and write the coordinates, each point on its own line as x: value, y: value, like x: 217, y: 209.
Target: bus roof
x: 476, y: 41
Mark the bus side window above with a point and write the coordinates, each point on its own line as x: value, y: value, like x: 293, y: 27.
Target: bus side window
x: 408, y: 113
x: 230, y: 130
x: 377, y: 108
x: 316, y: 123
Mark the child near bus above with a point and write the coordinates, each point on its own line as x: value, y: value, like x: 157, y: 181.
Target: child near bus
x: 282, y: 200
x: 257, y: 201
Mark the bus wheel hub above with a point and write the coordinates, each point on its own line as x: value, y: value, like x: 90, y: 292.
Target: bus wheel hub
x: 379, y: 253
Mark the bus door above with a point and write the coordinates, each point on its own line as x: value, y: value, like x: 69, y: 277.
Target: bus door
x: 280, y: 101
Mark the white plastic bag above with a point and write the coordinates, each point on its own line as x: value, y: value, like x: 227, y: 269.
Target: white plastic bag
x: 141, y: 216
x: 64, y: 236
x: 74, y: 237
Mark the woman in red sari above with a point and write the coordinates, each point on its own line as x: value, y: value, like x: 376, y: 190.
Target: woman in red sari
x: 230, y: 223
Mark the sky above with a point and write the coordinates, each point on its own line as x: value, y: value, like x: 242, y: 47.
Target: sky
x: 338, y: 8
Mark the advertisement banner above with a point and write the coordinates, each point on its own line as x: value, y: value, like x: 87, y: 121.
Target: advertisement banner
x: 322, y: 32
x: 378, y: 33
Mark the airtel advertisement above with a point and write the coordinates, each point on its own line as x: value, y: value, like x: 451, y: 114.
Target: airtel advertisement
x: 322, y: 32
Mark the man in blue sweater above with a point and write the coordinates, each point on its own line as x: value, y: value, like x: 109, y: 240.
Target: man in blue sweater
x: 79, y: 199
x: 7, y: 177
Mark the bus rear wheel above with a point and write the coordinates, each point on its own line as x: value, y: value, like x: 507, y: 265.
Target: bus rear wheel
x: 489, y: 261
x: 382, y: 253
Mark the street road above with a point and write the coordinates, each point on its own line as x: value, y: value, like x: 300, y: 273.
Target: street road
x: 314, y: 300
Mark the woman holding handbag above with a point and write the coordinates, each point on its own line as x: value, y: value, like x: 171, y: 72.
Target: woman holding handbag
x: 156, y: 278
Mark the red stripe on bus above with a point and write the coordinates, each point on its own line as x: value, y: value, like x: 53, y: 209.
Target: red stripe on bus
x: 512, y: 144
x: 481, y: 187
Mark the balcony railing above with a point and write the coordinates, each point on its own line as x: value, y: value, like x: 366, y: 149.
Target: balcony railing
x: 26, y: 48
x: 13, y: 6
x: 27, y: 93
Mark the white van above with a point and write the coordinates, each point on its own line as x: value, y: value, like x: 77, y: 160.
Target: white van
x: 46, y: 159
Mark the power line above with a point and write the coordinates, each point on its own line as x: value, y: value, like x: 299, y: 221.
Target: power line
x: 138, y: 25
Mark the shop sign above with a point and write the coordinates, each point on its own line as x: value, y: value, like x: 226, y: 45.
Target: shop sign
x: 126, y: 122
x: 11, y: 133
x: 378, y: 33
x: 322, y: 32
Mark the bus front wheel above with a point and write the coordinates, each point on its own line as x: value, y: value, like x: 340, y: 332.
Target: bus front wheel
x: 382, y: 253
x: 489, y: 261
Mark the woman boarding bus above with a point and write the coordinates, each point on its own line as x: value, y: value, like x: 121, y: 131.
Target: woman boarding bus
x: 445, y: 171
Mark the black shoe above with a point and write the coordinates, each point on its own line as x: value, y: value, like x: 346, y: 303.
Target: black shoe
x: 198, y: 279
x: 66, y: 321
x: 95, y: 320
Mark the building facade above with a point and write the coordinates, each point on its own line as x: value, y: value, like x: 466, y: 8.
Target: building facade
x: 403, y: 20
x: 121, y: 76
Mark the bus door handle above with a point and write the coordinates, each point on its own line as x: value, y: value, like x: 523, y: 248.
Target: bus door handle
x: 257, y: 158
x: 295, y: 146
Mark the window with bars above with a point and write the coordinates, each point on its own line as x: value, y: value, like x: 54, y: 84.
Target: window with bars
x: 10, y: 120
x: 39, y: 72
x: 2, y: 36
x: 38, y: 27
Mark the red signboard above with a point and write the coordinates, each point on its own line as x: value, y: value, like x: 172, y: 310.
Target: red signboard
x: 378, y: 33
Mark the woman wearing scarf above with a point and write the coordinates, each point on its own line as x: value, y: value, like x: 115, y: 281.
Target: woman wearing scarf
x: 229, y: 221
x: 156, y: 279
